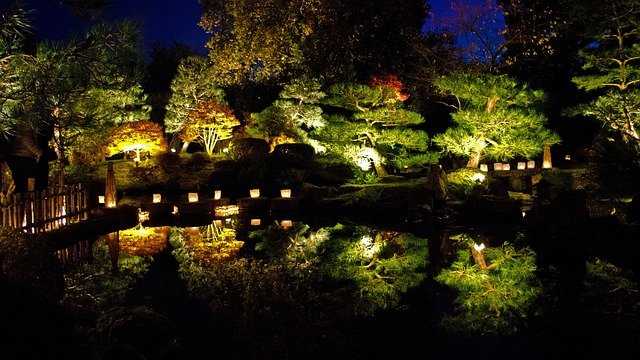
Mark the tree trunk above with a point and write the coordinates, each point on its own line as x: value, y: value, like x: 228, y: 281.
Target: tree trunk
x: 380, y: 170
x: 478, y: 257
x: 474, y: 160
x: 110, y: 193
x: 185, y: 145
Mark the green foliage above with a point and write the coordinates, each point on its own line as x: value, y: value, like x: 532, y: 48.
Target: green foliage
x: 495, y: 301
x: 249, y: 148
x: 292, y: 116
x: 460, y: 182
x: 95, y: 287
x: 613, y: 65
x: 28, y: 260
x: 496, y: 118
x: 376, y: 267
x: 378, y: 130
x: 615, y: 164
x: 191, y: 87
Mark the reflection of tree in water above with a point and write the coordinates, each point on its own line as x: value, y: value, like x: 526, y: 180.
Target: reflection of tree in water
x: 212, y: 243
x: 144, y: 241
x: 97, y: 285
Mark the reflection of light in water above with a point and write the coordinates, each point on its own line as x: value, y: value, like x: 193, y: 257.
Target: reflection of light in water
x: 144, y: 241
x: 226, y: 210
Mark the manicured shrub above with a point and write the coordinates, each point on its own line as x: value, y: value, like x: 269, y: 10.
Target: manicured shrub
x: 249, y: 148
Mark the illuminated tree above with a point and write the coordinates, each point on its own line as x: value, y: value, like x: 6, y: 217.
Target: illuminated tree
x: 208, y: 123
x: 496, y: 118
x: 612, y: 68
x: 293, y: 116
x: 67, y: 88
x: 137, y: 136
x: 276, y: 40
x: 376, y: 130
x: 192, y: 86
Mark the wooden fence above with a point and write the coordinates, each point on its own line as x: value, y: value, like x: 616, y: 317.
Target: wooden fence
x: 44, y: 210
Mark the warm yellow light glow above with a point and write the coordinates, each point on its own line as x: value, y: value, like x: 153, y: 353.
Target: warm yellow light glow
x: 484, y: 167
x: 143, y: 215
x: 365, y: 157
x: 286, y: 223
x: 285, y: 193
x: 497, y: 167
x: 255, y: 222
x: 157, y: 198
x: 217, y: 194
x: 531, y: 164
x: 226, y: 210
x: 567, y: 157
x: 506, y: 167
x: 193, y: 197
x: 225, y: 150
x: 254, y: 193
x: 101, y: 199
x: 546, y: 164
x: 217, y: 223
x: 136, y: 159
x: 478, y: 247
x: 478, y: 177
x: 522, y: 165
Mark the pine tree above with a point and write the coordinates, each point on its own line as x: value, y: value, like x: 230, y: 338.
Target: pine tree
x: 496, y: 118
x: 374, y: 128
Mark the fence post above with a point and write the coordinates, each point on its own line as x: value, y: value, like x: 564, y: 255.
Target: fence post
x: 110, y: 194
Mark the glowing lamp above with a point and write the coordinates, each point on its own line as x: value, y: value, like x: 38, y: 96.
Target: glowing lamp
x: 193, y: 197
x: 567, y: 157
x: 285, y: 193
x: 546, y: 158
x: 478, y: 247
x: 225, y: 150
x: 254, y: 193
x: 217, y: 194
x: 522, y: 165
x: 531, y: 164
x: 157, y: 198
x: 506, y: 167
x: 484, y: 167
x: 101, y: 199
x: 217, y: 223
x: 286, y: 223
x: 478, y: 177
x: 497, y: 167
x: 255, y: 222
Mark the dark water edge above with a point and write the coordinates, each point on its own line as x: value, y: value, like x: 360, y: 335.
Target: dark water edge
x: 408, y: 332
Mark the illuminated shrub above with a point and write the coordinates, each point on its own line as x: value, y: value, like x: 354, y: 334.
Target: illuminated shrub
x: 169, y: 162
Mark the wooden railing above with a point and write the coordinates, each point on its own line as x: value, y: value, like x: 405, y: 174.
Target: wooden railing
x: 44, y: 210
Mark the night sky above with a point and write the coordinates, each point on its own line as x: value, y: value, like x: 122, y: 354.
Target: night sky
x: 163, y: 21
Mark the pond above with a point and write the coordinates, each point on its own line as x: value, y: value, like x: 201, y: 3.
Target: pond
x: 250, y: 285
